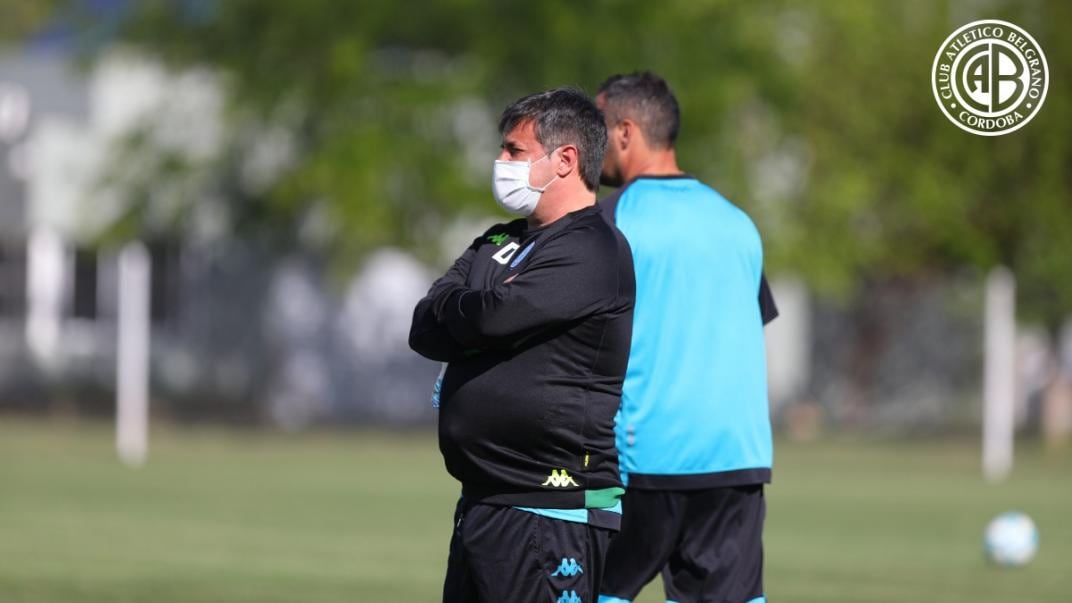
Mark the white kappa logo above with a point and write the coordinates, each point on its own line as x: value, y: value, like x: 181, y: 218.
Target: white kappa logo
x: 990, y: 77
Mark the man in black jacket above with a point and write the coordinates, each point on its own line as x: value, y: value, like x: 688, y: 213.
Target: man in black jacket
x: 534, y: 321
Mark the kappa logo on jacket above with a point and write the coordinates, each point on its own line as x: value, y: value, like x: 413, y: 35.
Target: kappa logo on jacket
x: 559, y: 479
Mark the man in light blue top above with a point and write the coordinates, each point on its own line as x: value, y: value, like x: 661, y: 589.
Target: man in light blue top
x: 693, y: 431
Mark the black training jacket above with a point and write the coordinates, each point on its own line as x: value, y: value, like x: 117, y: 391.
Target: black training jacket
x: 535, y: 325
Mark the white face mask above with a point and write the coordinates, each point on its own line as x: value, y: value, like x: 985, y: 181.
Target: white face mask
x: 511, y: 188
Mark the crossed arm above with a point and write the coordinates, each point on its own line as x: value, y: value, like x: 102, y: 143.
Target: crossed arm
x: 558, y: 284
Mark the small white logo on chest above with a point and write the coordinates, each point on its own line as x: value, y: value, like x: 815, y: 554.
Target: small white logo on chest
x: 503, y: 255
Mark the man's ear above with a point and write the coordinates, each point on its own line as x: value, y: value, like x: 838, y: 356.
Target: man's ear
x: 624, y: 134
x: 570, y: 160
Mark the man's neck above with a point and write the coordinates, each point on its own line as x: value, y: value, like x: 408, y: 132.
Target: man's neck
x: 655, y: 163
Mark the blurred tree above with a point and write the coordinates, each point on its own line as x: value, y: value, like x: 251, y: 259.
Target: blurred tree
x: 815, y: 117
x: 390, y: 108
x: 894, y: 195
x: 818, y: 118
x: 896, y: 191
x: 20, y: 19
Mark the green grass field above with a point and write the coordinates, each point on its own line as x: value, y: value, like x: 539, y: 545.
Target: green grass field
x: 226, y: 516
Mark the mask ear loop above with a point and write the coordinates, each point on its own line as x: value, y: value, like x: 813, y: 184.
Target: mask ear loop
x: 553, y: 176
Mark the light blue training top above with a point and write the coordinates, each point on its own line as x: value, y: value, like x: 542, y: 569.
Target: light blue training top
x: 694, y: 409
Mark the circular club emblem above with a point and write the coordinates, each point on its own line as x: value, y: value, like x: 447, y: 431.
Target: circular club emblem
x: 990, y: 77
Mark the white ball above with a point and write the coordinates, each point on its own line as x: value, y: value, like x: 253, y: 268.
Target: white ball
x: 1011, y: 539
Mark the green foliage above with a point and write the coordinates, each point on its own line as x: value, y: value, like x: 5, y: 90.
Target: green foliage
x: 817, y: 118
x: 377, y: 94
x: 19, y: 19
x: 897, y: 191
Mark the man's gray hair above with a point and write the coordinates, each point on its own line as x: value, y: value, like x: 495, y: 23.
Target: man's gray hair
x: 646, y: 99
x: 563, y: 116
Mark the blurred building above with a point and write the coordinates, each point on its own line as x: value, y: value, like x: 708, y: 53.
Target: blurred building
x: 238, y: 330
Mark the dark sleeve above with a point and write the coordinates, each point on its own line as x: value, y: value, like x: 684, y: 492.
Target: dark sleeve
x: 427, y: 336
x: 767, y: 307
x: 565, y: 280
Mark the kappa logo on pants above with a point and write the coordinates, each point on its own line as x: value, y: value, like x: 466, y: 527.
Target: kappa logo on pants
x: 569, y: 596
x: 568, y: 568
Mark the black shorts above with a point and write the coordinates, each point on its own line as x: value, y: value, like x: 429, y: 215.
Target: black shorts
x: 708, y: 544
x: 501, y: 554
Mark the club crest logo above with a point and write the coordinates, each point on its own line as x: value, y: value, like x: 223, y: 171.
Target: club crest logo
x: 990, y: 77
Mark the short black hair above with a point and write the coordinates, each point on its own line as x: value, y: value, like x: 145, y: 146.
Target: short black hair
x: 646, y: 99
x: 563, y: 116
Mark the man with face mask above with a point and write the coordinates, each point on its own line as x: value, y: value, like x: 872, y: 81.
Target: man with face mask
x: 534, y: 321
x: 694, y: 430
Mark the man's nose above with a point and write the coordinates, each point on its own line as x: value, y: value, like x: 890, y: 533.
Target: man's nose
x: 504, y: 155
